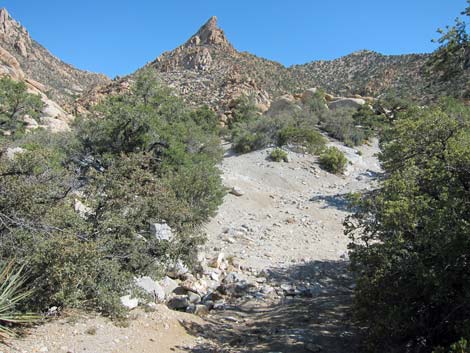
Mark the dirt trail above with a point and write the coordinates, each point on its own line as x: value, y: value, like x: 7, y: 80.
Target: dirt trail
x: 285, y: 232
x: 287, y: 226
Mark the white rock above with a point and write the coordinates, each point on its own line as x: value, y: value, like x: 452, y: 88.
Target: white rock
x: 54, y: 125
x: 11, y: 152
x: 352, y: 103
x: 82, y: 210
x: 168, y: 285
x: 129, y: 302
x: 178, y: 269
x: 161, y: 231
x: 236, y: 191
x: 151, y: 287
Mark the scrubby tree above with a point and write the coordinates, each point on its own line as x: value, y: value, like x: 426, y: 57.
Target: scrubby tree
x: 15, y: 103
x: 410, y: 237
x: 76, y: 207
x: 453, y: 56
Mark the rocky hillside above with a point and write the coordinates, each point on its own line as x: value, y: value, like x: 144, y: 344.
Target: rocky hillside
x: 207, y: 69
x: 23, y: 58
x: 366, y: 73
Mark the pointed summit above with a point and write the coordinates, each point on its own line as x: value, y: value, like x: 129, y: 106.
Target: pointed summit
x: 209, y: 34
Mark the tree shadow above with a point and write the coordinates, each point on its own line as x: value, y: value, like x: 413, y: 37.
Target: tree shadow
x: 371, y: 174
x: 315, y: 321
x: 339, y: 201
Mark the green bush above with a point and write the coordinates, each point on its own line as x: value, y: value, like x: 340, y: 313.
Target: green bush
x: 15, y: 103
x: 278, y: 155
x: 140, y: 158
x: 311, y: 139
x: 333, y: 160
x: 244, y: 111
x: 410, y: 236
x: 269, y: 130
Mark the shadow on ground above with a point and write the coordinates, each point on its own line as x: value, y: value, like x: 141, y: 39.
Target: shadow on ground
x: 339, y: 201
x: 315, y: 322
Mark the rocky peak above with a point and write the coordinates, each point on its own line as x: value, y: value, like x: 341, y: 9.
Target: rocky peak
x: 4, y: 20
x: 209, y: 34
x: 23, y: 58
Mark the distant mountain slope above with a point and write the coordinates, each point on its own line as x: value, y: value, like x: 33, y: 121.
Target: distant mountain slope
x: 366, y: 73
x: 207, y: 69
x: 19, y: 52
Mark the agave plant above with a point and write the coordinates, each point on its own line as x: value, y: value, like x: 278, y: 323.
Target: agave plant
x: 11, y: 293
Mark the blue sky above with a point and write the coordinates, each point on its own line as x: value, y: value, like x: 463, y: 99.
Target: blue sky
x: 116, y: 37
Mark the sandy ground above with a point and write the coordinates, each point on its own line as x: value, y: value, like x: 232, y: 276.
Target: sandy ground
x: 288, y: 222
x: 290, y: 212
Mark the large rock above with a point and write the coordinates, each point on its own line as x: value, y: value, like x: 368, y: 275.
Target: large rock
x: 347, y: 103
x: 180, y: 302
x: 83, y: 210
x: 129, y: 302
x: 53, y: 124
x: 168, y: 285
x: 151, y: 287
x: 161, y: 231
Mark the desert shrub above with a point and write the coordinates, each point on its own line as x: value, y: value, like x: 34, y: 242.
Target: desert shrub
x: 462, y: 346
x: 41, y: 230
x: 316, y: 105
x: 340, y: 124
x: 278, y: 155
x: 13, y: 292
x: 256, y: 134
x: 311, y: 139
x: 333, y: 160
x: 244, y: 111
x: 277, y: 130
x: 410, y: 236
x: 140, y: 158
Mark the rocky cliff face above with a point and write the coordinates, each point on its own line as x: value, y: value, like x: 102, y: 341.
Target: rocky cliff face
x: 23, y: 58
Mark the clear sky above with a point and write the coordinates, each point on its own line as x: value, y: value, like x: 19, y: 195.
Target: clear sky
x: 116, y: 37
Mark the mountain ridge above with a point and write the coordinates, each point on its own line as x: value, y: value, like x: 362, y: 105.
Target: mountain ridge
x: 24, y: 57
x: 208, y: 70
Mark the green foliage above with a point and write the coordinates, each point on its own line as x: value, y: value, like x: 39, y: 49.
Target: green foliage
x: 410, y: 239
x: 311, y: 139
x: 141, y: 158
x: 244, y: 111
x: 278, y: 129
x: 316, y: 104
x: 333, y: 160
x: 341, y: 125
x: 12, y: 293
x: 15, y: 103
x: 462, y: 346
x: 453, y: 56
x: 278, y: 155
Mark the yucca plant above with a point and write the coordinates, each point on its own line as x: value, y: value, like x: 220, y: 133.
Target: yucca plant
x: 11, y: 294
